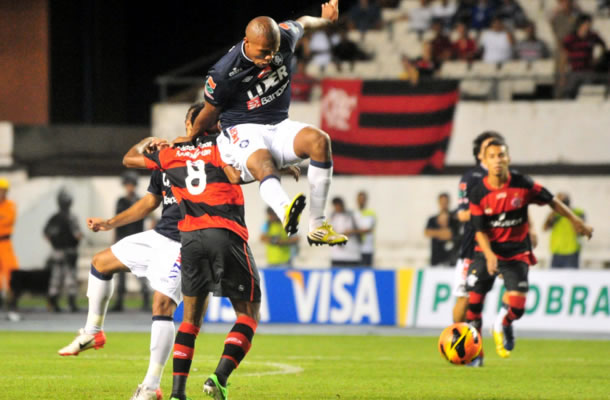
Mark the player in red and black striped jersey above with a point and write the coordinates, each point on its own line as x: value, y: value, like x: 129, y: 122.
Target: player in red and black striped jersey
x: 498, y: 207
x: 215, y: 253
x: 469, y: 181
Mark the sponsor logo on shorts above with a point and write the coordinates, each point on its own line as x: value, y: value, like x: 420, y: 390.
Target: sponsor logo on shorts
x: 522, y: 284
x: 241, y: 288
x: 234, y: 134
x: 244, y: 143
x: 471, y: 280
x: 247, y: 79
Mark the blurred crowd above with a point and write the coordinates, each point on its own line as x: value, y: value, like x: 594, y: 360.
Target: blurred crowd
x: 493, y: 31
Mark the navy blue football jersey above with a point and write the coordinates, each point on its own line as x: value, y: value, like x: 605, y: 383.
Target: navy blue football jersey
x: 469, y: 181
x: 248, y: 94
x: 170, y: 215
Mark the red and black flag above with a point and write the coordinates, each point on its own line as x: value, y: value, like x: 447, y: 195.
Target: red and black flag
x: 388, y: 127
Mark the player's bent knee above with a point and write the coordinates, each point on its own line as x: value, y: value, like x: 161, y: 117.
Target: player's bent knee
x: 312, y: 143
x: 163, y: 305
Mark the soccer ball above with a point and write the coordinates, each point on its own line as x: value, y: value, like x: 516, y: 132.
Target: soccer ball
x: 460, y: 343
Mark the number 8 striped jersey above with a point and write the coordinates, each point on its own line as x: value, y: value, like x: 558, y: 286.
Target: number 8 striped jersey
x: 206, y: 197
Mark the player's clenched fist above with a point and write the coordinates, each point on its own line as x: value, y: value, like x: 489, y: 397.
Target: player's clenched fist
x: 330, y: 10
x: 98, y: 224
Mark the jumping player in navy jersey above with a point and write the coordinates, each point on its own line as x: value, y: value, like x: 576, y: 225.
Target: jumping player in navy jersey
x: 154, y: 254
x: 498, y: 208
x: 249, y: 90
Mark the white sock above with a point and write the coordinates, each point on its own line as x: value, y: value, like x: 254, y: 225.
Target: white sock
x: 274, y: 195
x: 99, y: 292
x: 500, y: 317
x: 161, y: 342
x: 319, y: 184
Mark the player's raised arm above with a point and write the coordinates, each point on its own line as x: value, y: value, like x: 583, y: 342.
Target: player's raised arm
x: 330, y: 13
x: 139, y: 210
x: 579, y: 225
x: 135, y: 158
x: 206, y: 121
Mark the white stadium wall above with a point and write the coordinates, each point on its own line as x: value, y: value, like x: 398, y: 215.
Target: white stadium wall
x: 403, y: 205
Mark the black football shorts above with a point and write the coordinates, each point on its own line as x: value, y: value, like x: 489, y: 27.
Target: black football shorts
x: 218, y: 261
x: 514, y: 273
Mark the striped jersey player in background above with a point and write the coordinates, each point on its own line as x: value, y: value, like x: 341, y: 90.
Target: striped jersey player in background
x: 498, y: 208
x: 469, y: 180
x: 249, y: 90
x: 154, y: 254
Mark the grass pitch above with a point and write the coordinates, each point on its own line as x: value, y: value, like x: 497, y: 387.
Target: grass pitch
x: 310, y: 367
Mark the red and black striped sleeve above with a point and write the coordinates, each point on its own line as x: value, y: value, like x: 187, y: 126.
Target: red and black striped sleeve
x: 159, y: 160
x: 537, y: 193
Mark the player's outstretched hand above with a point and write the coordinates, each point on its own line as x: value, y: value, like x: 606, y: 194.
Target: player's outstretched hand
x: 330, y: 10
x: 98, y: 224
x: 583, y: 229
x: 293, y: 170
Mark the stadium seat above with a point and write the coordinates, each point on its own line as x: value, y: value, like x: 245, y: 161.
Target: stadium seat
x: 454, y: 69
x: 602, y: 26
x: 407, y: 5
x: 485, y: 70
x: 476, y: 88
x: 588, y: 6
x: 366, y: 70
x: 544, y: 70
x: 532, y: 8
x: 523, y: 86
x: 515, y: 69
x: 389, y: 14
x: 313, y: 70
x: 591, y: 93
x: 354, y: 35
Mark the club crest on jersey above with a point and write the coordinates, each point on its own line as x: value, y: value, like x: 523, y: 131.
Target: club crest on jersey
x: 210, y: 85
x: 244, y: 143
x: 277, y: 60
x: 516, y: 202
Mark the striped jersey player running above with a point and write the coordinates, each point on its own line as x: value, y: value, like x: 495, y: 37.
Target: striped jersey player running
x: 498, y: 208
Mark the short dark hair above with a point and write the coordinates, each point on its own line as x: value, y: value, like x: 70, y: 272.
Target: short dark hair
x: 338, y: 200
x: 582, y: 18
x: 496, y: 142
x: 478, y: 142
x: 443, y: 194
x: 193, y: 112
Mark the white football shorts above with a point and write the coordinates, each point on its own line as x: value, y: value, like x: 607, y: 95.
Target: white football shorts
x: 154, y: 256
x: 238, y: 142
x: 460, y: 274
